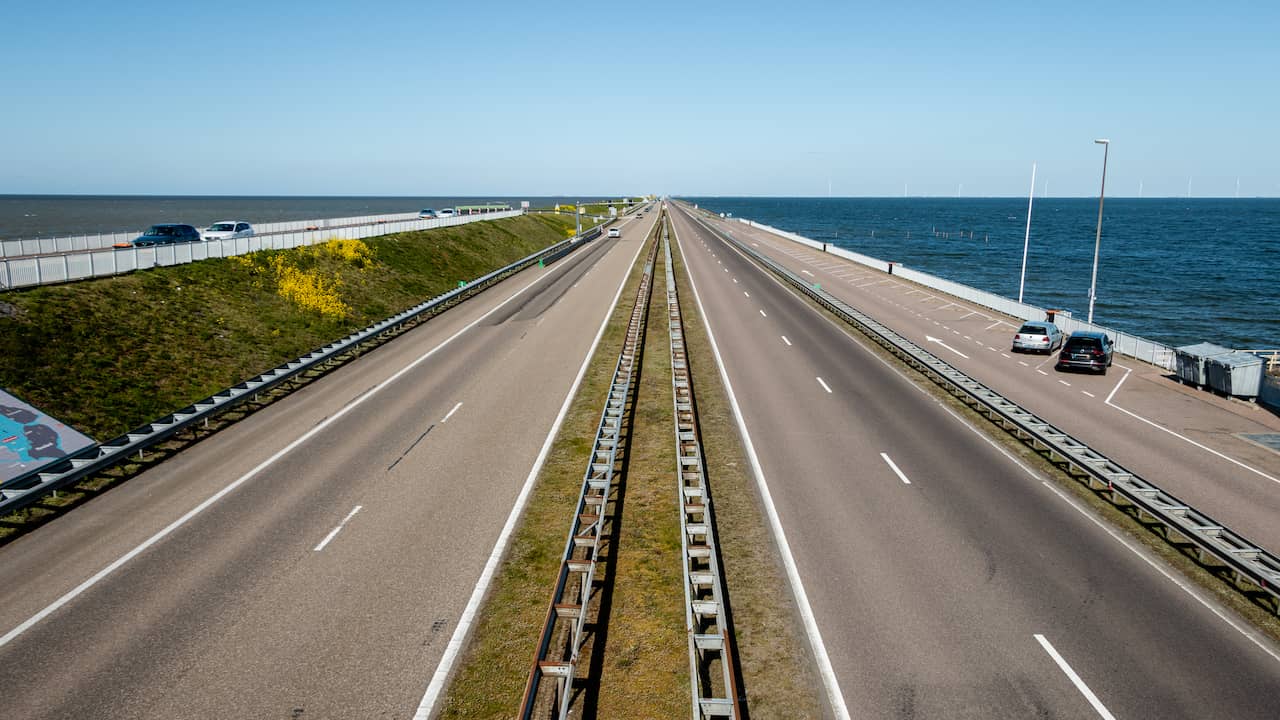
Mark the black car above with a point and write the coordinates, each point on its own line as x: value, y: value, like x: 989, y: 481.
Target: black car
x: 166, y: 234
x: 1087, y: 350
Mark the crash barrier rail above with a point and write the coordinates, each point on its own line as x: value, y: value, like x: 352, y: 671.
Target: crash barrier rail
x: 20, y: 247
x: 714, y: 692
x: 561, y: 641
x: 51, y: 269
x: 1245, y: 560
x: 1134, y: 346
x: 27, y: 489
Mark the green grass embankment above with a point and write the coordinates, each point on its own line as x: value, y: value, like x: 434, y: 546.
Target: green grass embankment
x: 107, y: 355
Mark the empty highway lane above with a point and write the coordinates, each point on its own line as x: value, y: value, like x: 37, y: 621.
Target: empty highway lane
x: 946, y: 579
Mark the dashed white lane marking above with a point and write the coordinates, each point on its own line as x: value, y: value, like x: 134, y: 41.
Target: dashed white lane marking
x: 334, y: 533
x: 1003, y: 355
x: 966, y: 337
x: 895, y: 469
x: 806, y: 272
x: 823, y: 383
x: 451, y: 412
x: 762, y: 314
x: 992, y: 348
x: 735, y: 280
x: 1023, y: 363
x: 744, y: 292
x: 1064, y: 382
x: 1086, y: 392
x: 785, y: 340
x: 1075, y: 679
x: 1041, y: 371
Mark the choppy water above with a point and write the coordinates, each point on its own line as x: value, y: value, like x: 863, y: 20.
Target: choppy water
x: 28, y: 216
x: 1174, y: 270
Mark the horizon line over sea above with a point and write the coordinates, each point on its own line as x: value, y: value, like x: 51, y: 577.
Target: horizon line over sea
x: 1174, y: 270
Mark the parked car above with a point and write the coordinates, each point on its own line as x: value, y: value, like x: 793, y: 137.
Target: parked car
x: 444, y: 213
x: 1042, y: 337
x: 427, y: 214
x: 1088, y: 350
x: 615, y: 232
x: 227, y: 229
x: 165, y: 234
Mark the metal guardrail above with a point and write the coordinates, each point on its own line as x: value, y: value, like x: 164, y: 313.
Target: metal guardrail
x: 1134, y: 346
x: 1245, y: 560
x: 711, y: 680
x: 53, y: 269
x: 561, y: 642
x: 26, y: 490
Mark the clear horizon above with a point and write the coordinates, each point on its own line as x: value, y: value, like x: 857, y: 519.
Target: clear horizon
x: 845, y: 100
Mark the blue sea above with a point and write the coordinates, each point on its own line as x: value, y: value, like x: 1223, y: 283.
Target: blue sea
x: 1174, y: 270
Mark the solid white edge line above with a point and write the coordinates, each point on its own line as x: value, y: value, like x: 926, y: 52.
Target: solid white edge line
x: 1184, y: 438
x: 1075, y: 679
x: 1087, y: 513
x: 334, y: 532
x: 824, y: 385
x: 894, y: 467
x: 834, y: 695
x: 451, y: 412
x: 162, y: 534
x: 437, y: 684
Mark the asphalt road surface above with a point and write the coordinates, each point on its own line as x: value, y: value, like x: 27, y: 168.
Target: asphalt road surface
x: 320, y: 552
x: 947, y: 580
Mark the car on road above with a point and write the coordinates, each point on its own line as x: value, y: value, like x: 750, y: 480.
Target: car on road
x: 1042, y: 337
x: 227, y: 229
x: 615, y: 232
x: 1087, y: 350
x: 445, y: 212
x: 427, y: 214
x: 163, y: 234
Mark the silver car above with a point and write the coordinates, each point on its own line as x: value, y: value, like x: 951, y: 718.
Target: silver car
x: 227, y: 229
x: 1042, y: 337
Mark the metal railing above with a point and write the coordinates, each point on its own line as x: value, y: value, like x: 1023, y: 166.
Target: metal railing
x: 561, y: 641
x: 1134, y: 346
x: 52, y: 269
x: 1245, y: 561
x: 711, y: 652
x: 27, y: 489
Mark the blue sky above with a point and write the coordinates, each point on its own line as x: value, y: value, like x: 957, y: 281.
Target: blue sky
x: 742, y: 98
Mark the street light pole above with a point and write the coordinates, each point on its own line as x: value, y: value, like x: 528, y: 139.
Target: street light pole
x: 1026, y: 239
x: 1097, y: 240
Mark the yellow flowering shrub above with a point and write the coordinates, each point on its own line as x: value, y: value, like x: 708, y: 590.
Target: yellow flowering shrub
x: 307, y: 288
x: 354, y: 252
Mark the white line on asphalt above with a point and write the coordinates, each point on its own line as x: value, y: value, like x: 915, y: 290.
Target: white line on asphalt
x: 334, y: 532
x: 726, y: 269
x: 1159, y: 567
x: 991, y: 325
x: 744, y: 292
x: 207, y: 503
x: 735, y: 279
x: 1075, y: 679
x: 1003, y: 355
x: 992, y: 348
x: 1064, y: 382
x: 451, y: 412
x: 785, y: 340
x: 806, y: 272
x: 894, y: 467
x: 1086, y: 392
x: 460, y: 633
x: 1023, y: 363
x: 824, y: 385
x: 762, y: 314
x: 1184, y: 438
x: 966, y: 337
x: 1041, y: 371
x: 829, y: 680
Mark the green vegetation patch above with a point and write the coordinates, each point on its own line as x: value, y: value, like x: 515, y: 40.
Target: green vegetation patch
x: 107, y: 355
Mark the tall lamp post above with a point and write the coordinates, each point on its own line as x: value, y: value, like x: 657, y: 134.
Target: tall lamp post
x: 1097, y: 240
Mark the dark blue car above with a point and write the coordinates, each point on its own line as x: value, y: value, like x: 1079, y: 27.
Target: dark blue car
x: 165, y: 234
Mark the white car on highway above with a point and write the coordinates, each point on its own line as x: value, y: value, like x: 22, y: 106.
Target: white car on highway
x: 615, y: 232
x: 227, y: 229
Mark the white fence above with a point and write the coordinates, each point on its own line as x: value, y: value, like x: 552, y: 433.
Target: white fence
x: 1132, y: 345
x: 47, y: 270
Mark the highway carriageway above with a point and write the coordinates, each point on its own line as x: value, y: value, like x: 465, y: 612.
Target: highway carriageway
x: 318, y: 558
x: 942, y: 576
